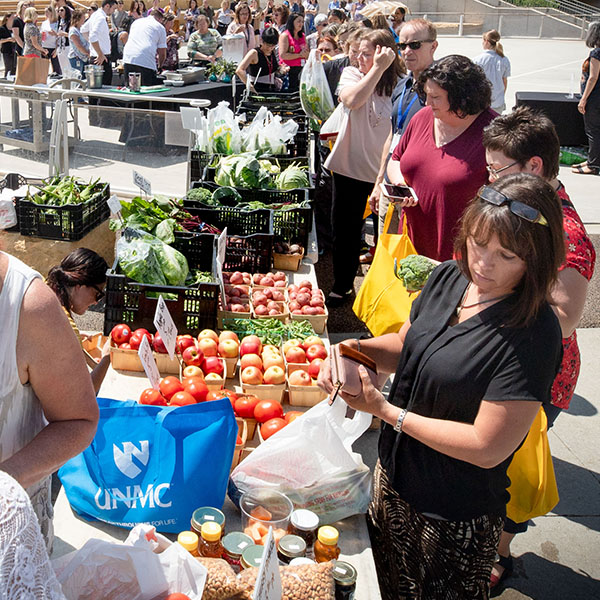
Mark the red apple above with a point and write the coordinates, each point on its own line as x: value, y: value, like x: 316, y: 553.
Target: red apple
x: 290, y: 344
x: 228, y: 348
x: 251, y: 344
x: 120, y: 334
x: 315, y: 351
x: 252, y: 376
x: 212, y: 364
x: 272, y: 360
x: 158, y: 344
x: 295, y: 355
x: 192, y: 371
x: 315, y: 367
x: 311, y: 340
x: 299, y: 378
x: 274, y: 375
x: 229, y: 335
x: 209, y: 333
x: 183, y: 342
x: 192, y: 356
x: 208, y: 346
x: 251, y: 360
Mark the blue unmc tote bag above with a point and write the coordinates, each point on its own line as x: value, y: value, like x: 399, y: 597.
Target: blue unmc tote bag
x: 153, y: 464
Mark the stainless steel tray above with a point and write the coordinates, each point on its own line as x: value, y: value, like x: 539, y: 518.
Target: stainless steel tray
x: 187, y: 75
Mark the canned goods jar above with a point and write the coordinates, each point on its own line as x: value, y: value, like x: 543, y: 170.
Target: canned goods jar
x: 252, y: 556
x: 234, y: 544
x: 305, y: 524
x: 344, y: 575
x: 204, y: 514
x: 290, y: 546
x: 301, y: 560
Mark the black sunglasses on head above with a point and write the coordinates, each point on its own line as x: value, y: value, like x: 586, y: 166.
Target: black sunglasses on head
x: 412, y: 45
x: 524, y: 211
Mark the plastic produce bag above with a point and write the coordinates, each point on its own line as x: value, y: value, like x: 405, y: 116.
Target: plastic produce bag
x: 315, y: 94
x: 311, y: 461
x: 8, y: 214
x: 224, y: 131
x: 267, y: 135
x: 146, y: 259
x: 144, y: 567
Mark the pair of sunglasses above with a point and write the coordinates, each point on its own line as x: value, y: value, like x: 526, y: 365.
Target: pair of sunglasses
x: 99, y: 293
x: 412, y: 45
x: 524, y: 211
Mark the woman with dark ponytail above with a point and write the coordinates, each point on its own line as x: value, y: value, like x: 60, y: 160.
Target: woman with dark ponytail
x: 79, y: 283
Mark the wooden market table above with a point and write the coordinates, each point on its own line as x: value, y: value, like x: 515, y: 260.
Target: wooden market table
x: 71, y: 531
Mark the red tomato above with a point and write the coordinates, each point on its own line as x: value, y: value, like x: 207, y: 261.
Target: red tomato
x: 239, y: 441
x: 120, y: 334
x: 152, y: 396
x: 268, y: 409
x: 196, y: 387
x: 270, y: 427
x: 222, y: 394
x: 244, y: 406
x: 292, y: 416
x: 170, y: 385
x: 176, y: 596
x: 182, y: 399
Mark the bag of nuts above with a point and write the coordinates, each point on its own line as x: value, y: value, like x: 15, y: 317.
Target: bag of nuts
x: 221, y: 581
x: 301, y: 582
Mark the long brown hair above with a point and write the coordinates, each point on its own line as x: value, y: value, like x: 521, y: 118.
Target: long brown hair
x: 492, y: 37
x: 387, y: 82
x: 541, y: 248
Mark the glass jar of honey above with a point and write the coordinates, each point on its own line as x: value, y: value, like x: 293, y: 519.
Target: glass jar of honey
x: 209, y: 544
x: 207, y: 513
x: 189, y: 540
x: 326, y: 547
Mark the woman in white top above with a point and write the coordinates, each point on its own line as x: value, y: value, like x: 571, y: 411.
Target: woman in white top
x: 243, y: 24
x: 48, y: 409
x: 496, y: 67
x: 224, y: 16
x: 365, y: 93
x: 49, y: 29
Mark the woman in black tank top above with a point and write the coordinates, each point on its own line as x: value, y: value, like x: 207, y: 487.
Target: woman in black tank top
x: 261, y: 64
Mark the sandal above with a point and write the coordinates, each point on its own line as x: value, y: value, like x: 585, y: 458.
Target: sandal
x: 584, y: 170
x: 506, y: 562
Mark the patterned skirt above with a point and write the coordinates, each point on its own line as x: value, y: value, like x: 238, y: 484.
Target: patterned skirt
x: 423, y: 558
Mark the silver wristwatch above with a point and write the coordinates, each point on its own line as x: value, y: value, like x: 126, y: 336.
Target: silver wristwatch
x: 400, y: 421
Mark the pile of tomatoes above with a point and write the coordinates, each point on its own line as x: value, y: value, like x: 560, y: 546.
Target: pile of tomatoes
x: 269, y: 413
x: 173, y: 392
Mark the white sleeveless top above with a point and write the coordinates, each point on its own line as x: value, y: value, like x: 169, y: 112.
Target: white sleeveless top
x: 21, y: 416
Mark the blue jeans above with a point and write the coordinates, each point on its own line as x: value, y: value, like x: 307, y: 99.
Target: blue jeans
x: 77, y: 64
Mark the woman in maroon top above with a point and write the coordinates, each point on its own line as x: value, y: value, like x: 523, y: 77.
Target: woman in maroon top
x: 440, y: 155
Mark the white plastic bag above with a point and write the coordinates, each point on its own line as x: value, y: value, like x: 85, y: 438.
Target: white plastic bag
x: 267, y: 135
x: 334, y: 126
x: 8, y: 214
x: 224, y: 130
x: 145, y: 567
x: 311, y: 461
x: 315, y: 94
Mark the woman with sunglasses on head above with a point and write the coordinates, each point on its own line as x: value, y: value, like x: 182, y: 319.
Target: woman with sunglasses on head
x: 440, y: 154
x: 526, y: 141
x: 79, y: 283
x: 472, y: 365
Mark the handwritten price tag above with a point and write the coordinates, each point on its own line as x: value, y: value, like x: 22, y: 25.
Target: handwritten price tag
x: 148, y: 362
x: 165, y: 326
x: 222, y: 247
x: 268, y: 582
x: 114, y: 204
x: 142, y: 183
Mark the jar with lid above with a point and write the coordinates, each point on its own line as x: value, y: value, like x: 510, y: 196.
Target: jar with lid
x: 189, y: 540
x: 304, y: 523
x: 326, y: 546
x: 290, y: 546
x: 252, y: 556
x: 344, y: 575
x: 209, y: 544
x: 234, y: 544
x: 301, y: 560
x: 207, y: 513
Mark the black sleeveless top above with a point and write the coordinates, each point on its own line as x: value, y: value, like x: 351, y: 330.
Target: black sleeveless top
x: 267, y: 65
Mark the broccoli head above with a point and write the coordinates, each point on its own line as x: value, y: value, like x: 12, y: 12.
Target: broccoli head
x: 413, y: 271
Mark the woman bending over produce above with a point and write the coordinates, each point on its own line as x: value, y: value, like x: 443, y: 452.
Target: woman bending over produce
x: 79, y: 283
x: 260, y: 64
x: 473, y: 364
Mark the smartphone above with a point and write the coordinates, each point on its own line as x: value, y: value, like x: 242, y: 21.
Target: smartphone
x: 397, y: 192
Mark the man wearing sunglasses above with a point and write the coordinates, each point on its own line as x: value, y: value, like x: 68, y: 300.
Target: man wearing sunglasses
x: 417, y: 44
x: 525, y: 141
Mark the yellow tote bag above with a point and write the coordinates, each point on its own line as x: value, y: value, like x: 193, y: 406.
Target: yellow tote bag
x: 533, y: 490
x: 382, y: 302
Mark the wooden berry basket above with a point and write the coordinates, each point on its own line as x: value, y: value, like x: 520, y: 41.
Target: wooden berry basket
x: 303, y: 395
x: 318, y: 322
x: 243, y: 433
x: 287, y: 262
x: 232, y: 364
x: 264, y: 391
x: 229, y: 314
x: 283, y: 317
x: 128, y: 360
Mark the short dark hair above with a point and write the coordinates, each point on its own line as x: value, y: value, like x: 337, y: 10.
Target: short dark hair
x: 336, y: 12
x: 522, y: 134
x: 81, y: 267
x: 108, y: 3
x: 290, y: 24
x: 592, y: 39
x: 469, y: 91
x: 541, y: 248
x: 270, y: 35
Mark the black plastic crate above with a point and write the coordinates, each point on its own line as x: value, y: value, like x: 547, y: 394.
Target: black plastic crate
x: 293, y: 226
x: 192, y: 308
x: 13, y: 181
x: 237, y: 221
x: 267, y: 196
x: 69, y: 222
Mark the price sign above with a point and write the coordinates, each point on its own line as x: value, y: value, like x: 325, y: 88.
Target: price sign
x: 163, y: 321
x: 222, y: 247
x: 219, y: 271
x: 142, y: 183
x: 148, y: 362
x: 114, y: 204
x: 268, y: 582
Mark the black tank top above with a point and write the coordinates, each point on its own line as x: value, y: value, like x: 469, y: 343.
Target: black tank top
x: 267, y: 65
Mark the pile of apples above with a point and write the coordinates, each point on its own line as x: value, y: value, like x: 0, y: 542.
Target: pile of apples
x: 260, y: 365
x: 311, y: 352
x: 304, y: 300
x: 268, y: 301
x: 278, y: 280
x: 237, y: 278
x: 237, y: 298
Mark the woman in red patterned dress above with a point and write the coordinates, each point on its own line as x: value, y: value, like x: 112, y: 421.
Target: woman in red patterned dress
x: 526, y: 141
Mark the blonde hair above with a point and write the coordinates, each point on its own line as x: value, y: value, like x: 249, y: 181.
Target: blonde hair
x: 492, y: 37
x: 30, y: 15
x: 20, y: 8
x: 53, y: 16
